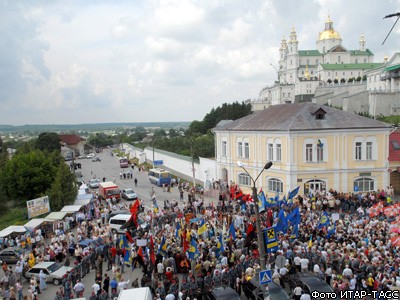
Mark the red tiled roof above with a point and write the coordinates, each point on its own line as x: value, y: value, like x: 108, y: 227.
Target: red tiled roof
x: 394, y: 142
x: 70, y: 139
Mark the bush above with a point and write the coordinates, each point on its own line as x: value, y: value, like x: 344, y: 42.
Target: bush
x: 336, y: 81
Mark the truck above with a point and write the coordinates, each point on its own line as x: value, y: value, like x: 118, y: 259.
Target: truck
x: 109, y: 190
x: 142, y: 293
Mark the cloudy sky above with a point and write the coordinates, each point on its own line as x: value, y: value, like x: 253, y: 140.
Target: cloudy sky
x: 91, y: 61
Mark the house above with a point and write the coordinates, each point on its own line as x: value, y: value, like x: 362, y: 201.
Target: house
x: 312, y: 146
x: 73, y: 142
x: 394, y: 159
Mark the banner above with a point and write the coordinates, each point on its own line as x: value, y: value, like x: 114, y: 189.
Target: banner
x: 37, y: 207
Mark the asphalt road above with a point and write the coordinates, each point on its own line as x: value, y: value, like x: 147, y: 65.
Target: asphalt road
x: 109, y: 168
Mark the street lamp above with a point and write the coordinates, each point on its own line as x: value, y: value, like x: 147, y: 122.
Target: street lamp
x: 258, y: 221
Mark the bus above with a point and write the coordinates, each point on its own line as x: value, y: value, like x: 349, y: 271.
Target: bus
x: 159, y: 177
x: 123, y: 162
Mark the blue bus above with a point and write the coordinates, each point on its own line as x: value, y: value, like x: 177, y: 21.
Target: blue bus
x: 159, y: 177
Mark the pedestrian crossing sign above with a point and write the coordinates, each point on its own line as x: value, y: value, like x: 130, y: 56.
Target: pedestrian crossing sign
x: 265, y: 276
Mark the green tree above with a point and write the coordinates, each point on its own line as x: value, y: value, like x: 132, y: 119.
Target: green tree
x: 27, y: 176
x: 173, y: 133
x: 159, y: 133
x: 48, y: 142
x: 63, y: 190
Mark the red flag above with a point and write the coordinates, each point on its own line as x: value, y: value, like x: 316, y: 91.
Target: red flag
x: 250, y: 229
x: 140, y: 253
x: 128, y: 237
x: 185, y: 241
x: 152, y: 256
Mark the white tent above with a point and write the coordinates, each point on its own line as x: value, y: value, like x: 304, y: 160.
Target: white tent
x: 82, y: 189
x: 56, y: 216
x: 71, y: 208
x: 12, y: 229
x: 32, y: 224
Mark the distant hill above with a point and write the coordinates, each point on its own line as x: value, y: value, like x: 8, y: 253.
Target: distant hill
x: 88, y: 127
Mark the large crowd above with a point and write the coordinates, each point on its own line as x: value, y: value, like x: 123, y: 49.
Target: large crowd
x: 193, y: 246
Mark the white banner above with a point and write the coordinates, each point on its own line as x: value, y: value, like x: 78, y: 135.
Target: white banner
x: 37, y: 207
x: 141, y: 242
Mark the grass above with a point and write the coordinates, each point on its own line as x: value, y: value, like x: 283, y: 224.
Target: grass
x: 13, y: 216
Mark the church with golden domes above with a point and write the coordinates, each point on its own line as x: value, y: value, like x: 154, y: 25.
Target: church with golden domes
x: 301, y: 72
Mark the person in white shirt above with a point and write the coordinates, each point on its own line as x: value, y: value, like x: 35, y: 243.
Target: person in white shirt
x: 347, y: 272
x: 304, y: 264
x: 297, y: 292
x: 96, y: 288
x: 305, y: 297
x: 122, y: 285
x: 170, y: 297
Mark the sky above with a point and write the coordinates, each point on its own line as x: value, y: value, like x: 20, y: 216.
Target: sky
x: 95, y: 61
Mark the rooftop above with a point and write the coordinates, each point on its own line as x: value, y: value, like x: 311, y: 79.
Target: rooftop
x: 350, y: 66
x: 299, y: 117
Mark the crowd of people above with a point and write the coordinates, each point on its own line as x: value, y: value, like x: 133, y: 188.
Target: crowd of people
x: 194, y: 245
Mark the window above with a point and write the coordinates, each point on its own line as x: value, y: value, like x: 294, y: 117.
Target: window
x: 271, y: 152
x: 309, y: 156
x: 320, y: 154
x: 364, y: 184
x: 338, y: 58
x: 358, y: 150
x: 244, y: 179
x: 275, y: 185
x: 368, y: 151
x: 223, y: 148
x: 246, y: 150
x: 278, y: 152
x: 240, y: 149
x: 356, y: 60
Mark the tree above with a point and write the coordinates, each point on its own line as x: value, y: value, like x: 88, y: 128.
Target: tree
x: 63, y: 190
x: 28, y: 175
x: 159, y: 133
x: 172, y: 133
x: 48, y: 142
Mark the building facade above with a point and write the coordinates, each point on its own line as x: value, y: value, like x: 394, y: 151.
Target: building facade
x: 302, y: 71
x: 312, y: 146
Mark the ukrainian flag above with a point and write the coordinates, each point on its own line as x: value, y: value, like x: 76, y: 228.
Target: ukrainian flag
x: 162, y: 249
x: 193, y: 250
x: 178, y: 230
x: 155, y: 207
x: 202, y: 227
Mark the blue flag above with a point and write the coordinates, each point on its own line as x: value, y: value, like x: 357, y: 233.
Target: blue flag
x: 293, y: 193
x: 324, y: 221
x: 220, y: 245
x: 193, y: 250
x: 294, y: 217
x: 282, y: 224
x: 163, y: 247
x: 202, y: 227
x: 261, y: 201
x: 232, y: 233
x: 331, y: 232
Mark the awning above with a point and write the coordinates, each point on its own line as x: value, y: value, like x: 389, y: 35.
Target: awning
x: 57, y: 215
x: 82, y: 202
x: 84, y: 196
x: 12, y: 229
x: 71, y: 208
x: 391, y: 68
x: 32, y: 224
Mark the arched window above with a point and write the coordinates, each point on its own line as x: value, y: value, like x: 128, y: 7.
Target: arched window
x: 244, y: 179
x: 364, y: 184
x: 275, y: 185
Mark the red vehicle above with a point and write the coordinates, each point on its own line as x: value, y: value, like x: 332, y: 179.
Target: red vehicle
x: 109, y: 190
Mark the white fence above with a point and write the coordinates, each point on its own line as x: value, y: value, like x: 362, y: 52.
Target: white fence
x: 204, y: 171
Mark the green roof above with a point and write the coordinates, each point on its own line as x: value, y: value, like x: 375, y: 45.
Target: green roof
x: 391, y: 68
x: 350, y: 66
x: 309, y: 53
x: 358, y: 52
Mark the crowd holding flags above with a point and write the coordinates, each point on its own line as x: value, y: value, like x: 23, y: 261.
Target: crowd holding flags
x: 162, y: 249
x: 324, y: 221
x: 202, y: 227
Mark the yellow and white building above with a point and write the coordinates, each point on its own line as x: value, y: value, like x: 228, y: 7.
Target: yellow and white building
x: 312, y: 146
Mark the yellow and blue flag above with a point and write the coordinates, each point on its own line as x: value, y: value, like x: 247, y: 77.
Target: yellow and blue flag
x: 193, y: 250
x: 262, y: 201
x: 162, y: 249
x: 324, y: 221
x: 202, y: 227
x: 155, y: 207
x: 232, y: 231
x: 220, y: 245
x: 178, y: 230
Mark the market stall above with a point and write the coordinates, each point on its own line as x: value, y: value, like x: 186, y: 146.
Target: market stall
x: 59, y: 221
x: 12, y: 230
x: 45, y: 225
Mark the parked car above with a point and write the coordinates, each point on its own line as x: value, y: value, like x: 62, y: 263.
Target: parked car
x: 223, y: 293
x: 54, y: 272
x: 11, y: 255
x: 98, y: 244
x: 310, y: 283
x: 275, y: 292
x: 96, y: 159
x: 94, y: 183
x: 90, y: 155
x: 129, y: 194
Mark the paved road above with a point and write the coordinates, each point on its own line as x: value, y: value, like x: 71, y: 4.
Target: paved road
x: 109, y: 168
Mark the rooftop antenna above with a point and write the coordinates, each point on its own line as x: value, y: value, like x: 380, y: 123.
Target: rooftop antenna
x: 391, y: 16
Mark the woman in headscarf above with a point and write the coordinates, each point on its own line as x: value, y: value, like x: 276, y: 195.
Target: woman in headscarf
x: 42, y: 280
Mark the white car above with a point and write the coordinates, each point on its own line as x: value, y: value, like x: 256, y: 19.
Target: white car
x: 54, y: 271
x: 91, y: 155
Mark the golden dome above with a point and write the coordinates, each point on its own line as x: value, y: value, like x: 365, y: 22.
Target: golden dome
x: 329, y: 34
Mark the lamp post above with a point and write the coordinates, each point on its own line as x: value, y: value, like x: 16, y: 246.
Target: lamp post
x: 260, y: 239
